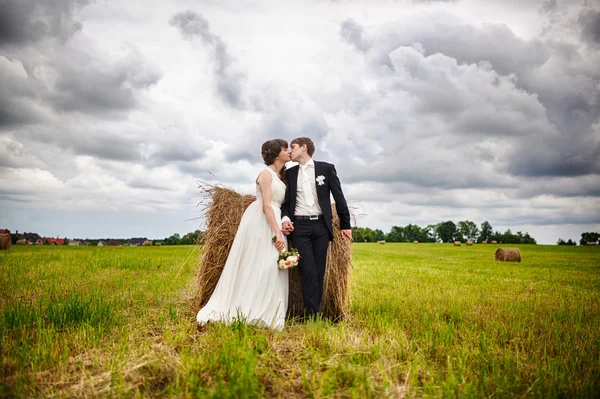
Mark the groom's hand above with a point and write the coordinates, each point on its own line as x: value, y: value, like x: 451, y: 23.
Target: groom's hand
x: 287, y: 227
x: 347, y: 234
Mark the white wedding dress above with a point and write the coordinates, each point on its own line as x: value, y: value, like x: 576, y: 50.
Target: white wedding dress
x: 251, y: 286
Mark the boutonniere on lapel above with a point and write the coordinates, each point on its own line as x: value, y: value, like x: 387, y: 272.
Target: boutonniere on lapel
x: 320, y: 179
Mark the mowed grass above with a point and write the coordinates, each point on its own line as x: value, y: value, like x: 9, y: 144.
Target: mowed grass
x: 428, y: 320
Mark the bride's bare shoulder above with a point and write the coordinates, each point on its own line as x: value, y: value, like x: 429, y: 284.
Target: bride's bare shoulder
x: 264, y: 176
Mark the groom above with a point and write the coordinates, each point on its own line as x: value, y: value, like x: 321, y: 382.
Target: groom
x: 306, y: 217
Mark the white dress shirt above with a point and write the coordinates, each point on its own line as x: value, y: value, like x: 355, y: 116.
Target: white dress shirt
x: 302, y: 207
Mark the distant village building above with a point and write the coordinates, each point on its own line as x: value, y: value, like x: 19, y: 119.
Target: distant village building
x: 102, y: 243
x: 53, y: 241
x: 136, y: 242
x: 32, y: 238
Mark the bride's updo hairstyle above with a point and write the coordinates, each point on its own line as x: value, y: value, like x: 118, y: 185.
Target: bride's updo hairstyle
x: 271, y: 150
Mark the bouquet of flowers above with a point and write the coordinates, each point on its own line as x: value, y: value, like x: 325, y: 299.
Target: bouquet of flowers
x: 288, y: 259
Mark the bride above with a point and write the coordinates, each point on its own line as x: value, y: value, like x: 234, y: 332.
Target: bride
x: 251, y: 286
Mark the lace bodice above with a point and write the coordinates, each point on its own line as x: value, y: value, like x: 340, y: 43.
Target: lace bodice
x: 277, y: 189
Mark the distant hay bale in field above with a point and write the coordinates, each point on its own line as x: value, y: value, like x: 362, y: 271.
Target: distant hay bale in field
x: 469, y: 243
x: 415, y: 242
x: 590, y: 244
x: 457, y: 243
x: 484, y: 242
x: 381, y: 242
x: 22, y: 241
x: 148, y: 243
x: 509, y: 254
x: 494, y: 242
x: 158, y: 244
x: 5, y: 242
x: 224, y: 209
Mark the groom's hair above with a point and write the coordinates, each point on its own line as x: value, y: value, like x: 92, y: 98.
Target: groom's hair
x: 271, y: 149
x: 310, y: 146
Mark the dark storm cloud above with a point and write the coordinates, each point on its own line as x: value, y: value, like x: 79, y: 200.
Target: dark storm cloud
x: 70, y: 136
x: 87, y: 87
x: 18, y: 92
x: 73, y: 78
x: 555, y: 139
x: 590, y: 27
x: 229, y: 80
x: 27, y: 21
x: 55, y: 88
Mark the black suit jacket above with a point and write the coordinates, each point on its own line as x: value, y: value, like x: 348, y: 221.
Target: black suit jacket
x: 330, y: 185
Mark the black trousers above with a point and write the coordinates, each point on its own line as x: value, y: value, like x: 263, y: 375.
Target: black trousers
x: 311, y: 237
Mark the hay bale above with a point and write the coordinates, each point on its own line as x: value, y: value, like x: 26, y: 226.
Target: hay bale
x: 5, y: 242
x: 336, y: 287
x: 469, y: 243
x: 415, y: 242
x: 22, y: 241
x: 457, y: 243
x: 158, y: 244
x: 381, y: 242
x: 509, y: 254
x: 224, y: 209
x: 590, y: 244
x: 147, y: 243
x: 484, y: 242
x: 494, y: 242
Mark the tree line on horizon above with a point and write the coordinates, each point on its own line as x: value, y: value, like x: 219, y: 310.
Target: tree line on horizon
x: 444, y: 231
x: 448, y: 231
x: 587, y: 238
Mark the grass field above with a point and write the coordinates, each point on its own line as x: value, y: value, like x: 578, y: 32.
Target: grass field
x: 428, y: 320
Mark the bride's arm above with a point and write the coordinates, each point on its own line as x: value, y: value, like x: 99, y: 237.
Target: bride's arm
x: 264, y: 184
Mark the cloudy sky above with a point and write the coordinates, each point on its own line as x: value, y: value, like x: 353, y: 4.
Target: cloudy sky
x: 430, y: 110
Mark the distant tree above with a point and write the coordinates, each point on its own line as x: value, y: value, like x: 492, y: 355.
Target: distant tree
x: 396, y: 234
x: 468, y: 229
x: 431, y: 233
x: 563, y: 242
x: 589, y: 237
x: 486, y: 232
x: 378, y: 235
x: 508, y: 237
x: 412, y: 232
x: 362, y: 234
x: 66, y: 241
x: 446, y: 231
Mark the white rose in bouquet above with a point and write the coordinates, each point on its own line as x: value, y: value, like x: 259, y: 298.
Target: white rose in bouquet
x: 293, y: 259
